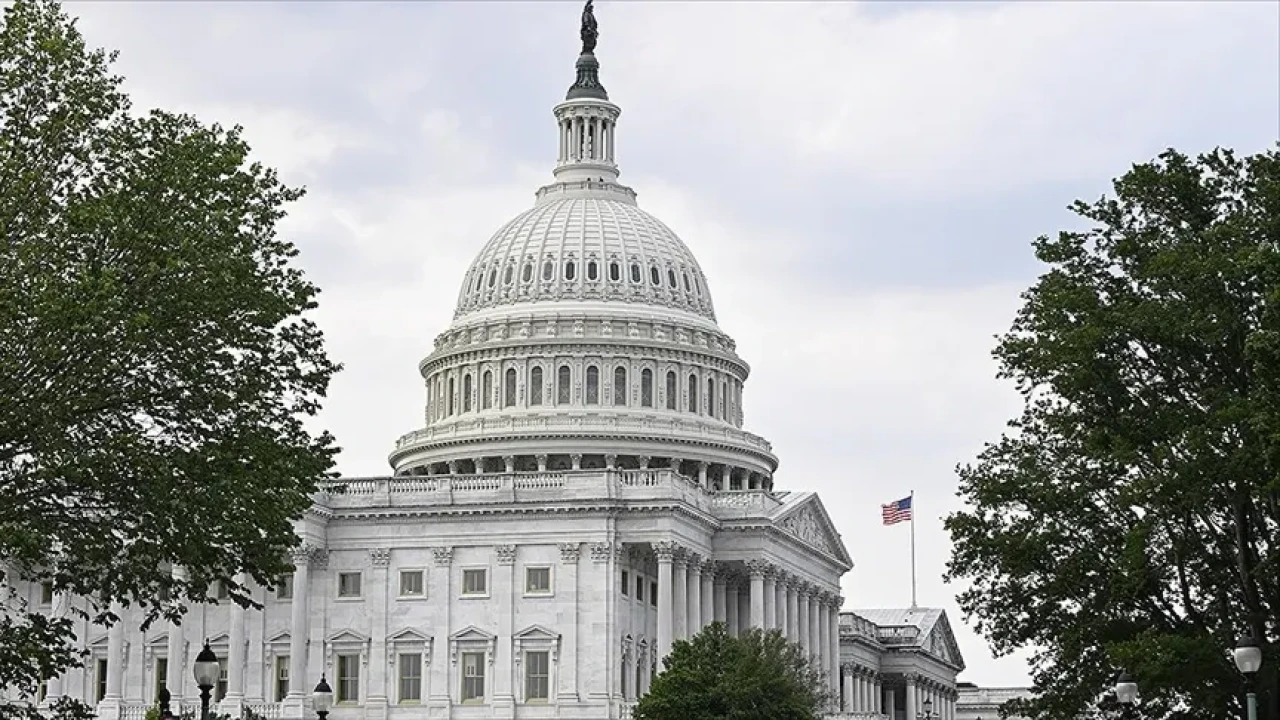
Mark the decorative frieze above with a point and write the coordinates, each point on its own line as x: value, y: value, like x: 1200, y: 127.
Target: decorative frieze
x: 600, y: 551
x: 443, y: 555
x: 570, y: 553
x: 506, y: 554
x: 380, y: 557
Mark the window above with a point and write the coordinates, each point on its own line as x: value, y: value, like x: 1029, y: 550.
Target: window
x: 449, y: 398
x: 646, y: 388
x: 697, y: 285
x: 639, y: 589
x: 711, y: 396
x: 162, y: 674
x: 535, y: 386
x: 527, y: 273
x: 486, y: 389
x: 411, y: 584
x: 568, y: 275
x: 693, y: 393
x: 671, y: 390
x: 537, y: 581
x: 593, y: 270
x: 686, y: 283
x: 506, y: 276
x: 548, y: 270
x: 493, y: 277
x: 284, y: 587
x: 282, y: 677
x: 472, y: 677
x: 537, y: 675
x: 509, y: 391
x: 724, y: 397
x: 563, y: 376
x: 349, y: 585
x: 593, y: 385
x: 409, y: 666
x: 626, y: 583
x: 653, y: 594
x: 635, y: 273
x: 619, y: 385
x: 475, y: 581
x: 466, y: 393
x: 100, y: 680
x: 615, y: 272
x: 46, y: 593
x: 221, y: 590
x: 348, y: 689
x: 671, y: 278
x: 220, y: 691
x: 654, y: 276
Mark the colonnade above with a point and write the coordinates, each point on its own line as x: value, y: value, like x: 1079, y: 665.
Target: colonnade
x: 942, y: 697
x: 861, y: 691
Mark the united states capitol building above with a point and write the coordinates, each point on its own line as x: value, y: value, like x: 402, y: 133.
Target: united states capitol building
x: 583, y: 493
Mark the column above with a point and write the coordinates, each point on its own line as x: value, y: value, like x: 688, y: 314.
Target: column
x: 708, y: 593
x: 770, y: 600
x: 542, y: 462
x: 376, y: 605
x: 680, y: 603
x: 110, y: 707
x: 891, y: 704
x: 802, y: 623
x: 665, y: 552
x: 833, y: 631
x: 503, y: 588
x: 911, y: 697
x: 441, y: 585
x: 720, y: 594
x: 732, y: 605
x: 877, y: 695
x: 793, y: 610
x: 758, y: 569
x: 61, y: 601
x: 175, y: 674
x: 846, y: 695
x: 297, y: 702
x: 780, y: 603
x: 234, y: 700
x: 694, y: 617
x: 824, y: 639
x: 702, y: 475
x: 570, y: 554
x: 815, y: 645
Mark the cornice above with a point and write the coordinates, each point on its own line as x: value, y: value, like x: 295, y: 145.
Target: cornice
x: 656, y: 351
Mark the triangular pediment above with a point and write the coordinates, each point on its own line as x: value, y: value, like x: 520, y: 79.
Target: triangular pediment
x: 160, y: 640
x: 99, y: 642
x: 280, y: 638
x: 408, y: 635
x: 220, y: 639
x: 537, y: 632
x: 346, y: 636
x: 804, y: 518
x: 942, y: 643
x: 471, y: 632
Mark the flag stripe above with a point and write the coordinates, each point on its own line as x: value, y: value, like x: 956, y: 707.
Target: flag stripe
x: 896, y: 511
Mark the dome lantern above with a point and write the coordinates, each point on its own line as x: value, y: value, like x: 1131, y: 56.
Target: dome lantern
x: 586, y: 119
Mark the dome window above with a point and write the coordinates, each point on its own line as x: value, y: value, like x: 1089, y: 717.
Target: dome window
x: 646, y: 388
x: 687, y: 288
x: 506, y: 276
x: 527, y: 274
x: 619, y: 385
x: 593, y: 270
x: 635, y: 273
x: 711, y: 397
x: 593, y: 385
x: 493, y: 277
x: 535, y: 386
x: 654, y: 276
x: 563, y: 376
x: 697, y: 285
x: 486, y: 390
x: 693, y: 393
x: 672, y: 392
x: 466, y: 393
x: 569, y: 270
x: 449, y: 398
x: 509, y: 389
x: 615, y: 272
x: 548, y: 270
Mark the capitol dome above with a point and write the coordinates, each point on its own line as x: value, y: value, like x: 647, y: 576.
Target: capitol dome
x: 585, y: 338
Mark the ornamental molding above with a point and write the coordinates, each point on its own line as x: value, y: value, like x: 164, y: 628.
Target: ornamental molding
x: 443, y: 556
x: 506, y: 554
x: 600, y: 552
x: 570, y: 553
x: 472, y: 637
x: 380, y: 557
x: 658, y: 349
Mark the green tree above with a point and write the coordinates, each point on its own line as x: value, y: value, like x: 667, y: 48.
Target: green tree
x: 1128, y: 519
x: 715, y: 676
x: 156, y: 364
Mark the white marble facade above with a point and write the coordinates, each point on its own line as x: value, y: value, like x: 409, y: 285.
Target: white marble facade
x: 582, y: 494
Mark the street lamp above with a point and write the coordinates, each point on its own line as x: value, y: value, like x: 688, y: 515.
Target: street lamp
x: 322, y: 698
x: 207, y: 671
x: 165, y: 697
x: 1248, y: 657
x: 1126, y: 692
x: 928, y: 710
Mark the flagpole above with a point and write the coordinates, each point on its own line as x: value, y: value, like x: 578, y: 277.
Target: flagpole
x: 913, y: 549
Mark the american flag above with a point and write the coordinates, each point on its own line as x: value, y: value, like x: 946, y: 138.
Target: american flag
x: 896, y: 511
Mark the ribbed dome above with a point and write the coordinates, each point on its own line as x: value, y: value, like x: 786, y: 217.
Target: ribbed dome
x: 586, y: 246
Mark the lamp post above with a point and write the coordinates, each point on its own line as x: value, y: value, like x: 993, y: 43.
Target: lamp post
x: 322, y: 698
x: 928, y: 710
x: 1248, y: 657
x: 207, y: 671
x: 1126, y: 692
x: 165, y: 714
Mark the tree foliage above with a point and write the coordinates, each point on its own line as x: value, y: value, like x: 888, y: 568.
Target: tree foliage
x: 1129, y: 517
x: 156, y: 364
x: 715, y: 676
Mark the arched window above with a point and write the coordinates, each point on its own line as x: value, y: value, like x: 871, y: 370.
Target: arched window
x: 711, y: 397
x: 486, y: 390
x: 646, y: 387
x: 654, y: 276
x: 563, y: 377
x: 569, y: 270
x: 493, y: 277
x: 697, y: 285
x: 693, y: 393
x: 593, y: 270
x: 535, y: 386
x: 724, y: 401
x: 671, y: 390
x: 635, y: 273
x: 593, y: 385
x: 548, y: 270
x: 466, y: 393
x: 506, y: 276
x: 686, y: 283
x: 671, y: 278
x: 615, y: 272
x: 509, y: 392
x: 527, y: 273
x: 619, y: 385
x: 449, y: 399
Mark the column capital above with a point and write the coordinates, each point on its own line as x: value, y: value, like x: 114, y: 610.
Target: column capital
x: 380, y: 557
x: 308, y: 554
x: 509, y: 461
x: 758, y: 568
x: 610, y: 461
x: 600, y: 551
x: 709, y: 566
x: 665, y: 550
x: 694, y: 561
x: 443, y: 555
x: 570, y: 552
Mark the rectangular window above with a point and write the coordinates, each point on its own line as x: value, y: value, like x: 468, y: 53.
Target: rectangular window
x: 100, y: 680
x: 475, y: 581
x: 348, y: 679
x: 410, y: 667
x: 282, y: 677
x: 284, y: 587
x: 653, y: 594
x: 162, y: 673
x: 220, y: 691
x: 46, y: 593
x: 349, y: 585
x: 473, y: 677
x: 537, y: 581
x: 626, y: 583
x: 221, y: 590
x: 537, y: 676
x: 411, y: 584
x: 639, y: 589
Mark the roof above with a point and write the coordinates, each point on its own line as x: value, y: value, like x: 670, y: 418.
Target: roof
x: 927, y: 630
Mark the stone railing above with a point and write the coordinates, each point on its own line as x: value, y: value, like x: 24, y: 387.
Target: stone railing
x: 853, y: 624
x: 856, y: 716
x: 897, y: 634
x: 484, y: 427
x: 134, y: 711
x: 572, y: 485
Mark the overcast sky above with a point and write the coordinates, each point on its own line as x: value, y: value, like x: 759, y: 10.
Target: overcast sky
x: 860, y: 182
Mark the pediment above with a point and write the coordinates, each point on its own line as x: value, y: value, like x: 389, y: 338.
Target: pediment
x: 220, y: 639
x: 280, y: 638
x: 472, y: 633
x: 160, y: 640
x: 807, y: 521
x: 99, y: 642
x: 942, y: 644
x: 408, y: 635
x: 537, y: 632
x: 347, y: 637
